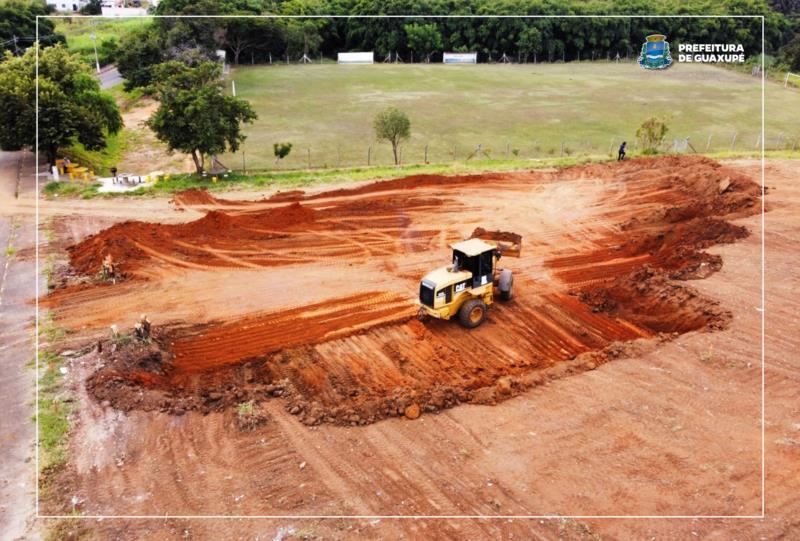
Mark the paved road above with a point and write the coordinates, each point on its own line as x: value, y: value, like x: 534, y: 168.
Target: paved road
x: 17, y: 288
x: 109, y: 78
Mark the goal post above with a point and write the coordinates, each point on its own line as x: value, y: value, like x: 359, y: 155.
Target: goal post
x: 788, y: 77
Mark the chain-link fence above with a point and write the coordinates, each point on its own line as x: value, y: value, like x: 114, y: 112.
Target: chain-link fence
x: 346, y: 154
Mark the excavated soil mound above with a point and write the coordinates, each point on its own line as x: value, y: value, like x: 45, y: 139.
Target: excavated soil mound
x: 410, y: 183
x: 650, y: 299
x: 193, y: 196
x: 505, y: 236
x: 132, y: 244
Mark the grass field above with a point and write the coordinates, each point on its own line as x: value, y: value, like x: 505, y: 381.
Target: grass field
x: 530, y: 109
x: 78, y: 32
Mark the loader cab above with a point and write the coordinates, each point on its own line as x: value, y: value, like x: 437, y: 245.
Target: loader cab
x: 476, y: 258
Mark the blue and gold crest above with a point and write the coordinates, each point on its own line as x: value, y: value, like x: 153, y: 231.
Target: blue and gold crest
x: 655, y: 53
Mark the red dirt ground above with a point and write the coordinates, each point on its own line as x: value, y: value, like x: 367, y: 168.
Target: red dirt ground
x: 672, y: 428
x: 354, y: 357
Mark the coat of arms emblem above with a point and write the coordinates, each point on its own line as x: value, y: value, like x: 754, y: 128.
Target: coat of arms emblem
x: 655, y: 53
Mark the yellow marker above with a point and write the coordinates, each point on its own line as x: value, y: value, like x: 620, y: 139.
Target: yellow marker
x: 214, y: 180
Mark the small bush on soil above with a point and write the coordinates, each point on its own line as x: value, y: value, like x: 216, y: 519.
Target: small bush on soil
x: 651, y: 134
x: 249, y: 415
x: 122, y: 339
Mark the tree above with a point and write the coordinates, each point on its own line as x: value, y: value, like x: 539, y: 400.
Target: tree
x: 392, y: 125
x: 281, y: 150
x: 194, y: 115
x: 137, y: 53
x: 424, y: 39
x: 250, y: 34
x: 790, y: 54
x: 529, y: 42
x: 92, y: 7
x: 302, y: 36
x: 651, y: 134
x: 18, y: 26
x: 71, y: 105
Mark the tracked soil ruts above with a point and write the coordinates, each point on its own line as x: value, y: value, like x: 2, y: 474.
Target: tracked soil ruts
x: 353, y: 355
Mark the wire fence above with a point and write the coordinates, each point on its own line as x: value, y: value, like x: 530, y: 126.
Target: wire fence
x: 346, y: 154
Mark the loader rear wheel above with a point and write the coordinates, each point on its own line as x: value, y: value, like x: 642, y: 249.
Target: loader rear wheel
x: 472, y: 313
x: 506, y: 284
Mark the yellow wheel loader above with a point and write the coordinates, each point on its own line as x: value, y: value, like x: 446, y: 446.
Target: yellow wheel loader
x: 466, y: 288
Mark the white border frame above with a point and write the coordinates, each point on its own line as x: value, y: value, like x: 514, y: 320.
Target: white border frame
x: 761, y: 309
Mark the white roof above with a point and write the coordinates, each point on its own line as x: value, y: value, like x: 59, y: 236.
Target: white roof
x: 472, y: 247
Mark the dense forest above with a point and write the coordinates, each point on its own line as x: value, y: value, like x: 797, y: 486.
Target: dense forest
x: 549, y: 39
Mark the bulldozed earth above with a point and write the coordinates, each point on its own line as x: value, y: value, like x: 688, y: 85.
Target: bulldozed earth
x: 309, y: 299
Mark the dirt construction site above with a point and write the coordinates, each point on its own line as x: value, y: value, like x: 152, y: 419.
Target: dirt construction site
x: 288, y: 374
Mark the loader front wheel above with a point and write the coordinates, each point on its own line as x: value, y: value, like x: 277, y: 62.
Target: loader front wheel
x: 472, y: 313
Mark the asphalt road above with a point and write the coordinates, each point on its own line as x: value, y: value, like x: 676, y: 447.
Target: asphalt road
x: 109, y: 78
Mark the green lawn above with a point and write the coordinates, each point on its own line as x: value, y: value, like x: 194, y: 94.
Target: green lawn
x: 590, y: 107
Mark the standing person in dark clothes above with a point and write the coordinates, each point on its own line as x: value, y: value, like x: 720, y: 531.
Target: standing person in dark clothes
x: 621, y: 155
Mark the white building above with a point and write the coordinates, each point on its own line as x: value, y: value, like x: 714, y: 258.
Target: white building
x: 67, y: 5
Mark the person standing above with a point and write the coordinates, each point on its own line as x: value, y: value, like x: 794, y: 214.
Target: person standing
x: 621, y: 155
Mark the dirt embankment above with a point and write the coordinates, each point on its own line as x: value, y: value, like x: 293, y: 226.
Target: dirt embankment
x: 133, y: 244
x: 357, y: 359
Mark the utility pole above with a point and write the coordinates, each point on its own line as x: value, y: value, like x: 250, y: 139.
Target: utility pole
x: 96, y: 58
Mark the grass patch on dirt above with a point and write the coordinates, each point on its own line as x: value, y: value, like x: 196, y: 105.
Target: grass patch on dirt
x: 74, y: 529
x: 281, y: 180
x: 125, y: 100
x: 70, y: 189
x: 101, y: 161
x: 52, y: 415
x: 288, y: 180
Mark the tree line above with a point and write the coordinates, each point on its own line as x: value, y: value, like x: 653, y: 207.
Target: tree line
x: 252, y: 40
x: 553, y: 39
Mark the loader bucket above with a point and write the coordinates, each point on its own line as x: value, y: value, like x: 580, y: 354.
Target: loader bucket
x: 509, y: 244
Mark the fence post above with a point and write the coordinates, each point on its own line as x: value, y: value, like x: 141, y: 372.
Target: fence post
x: 244, y: 163
x: 426, y: 153
x: 562, y: 149
x: 338, y: 156
x: 758, y: 142
x: 733, y: 141
x: 786, y: 80
x: 708, y: 143
x: 369, y: 155
x: 309, y: 157
x: 507, y: 149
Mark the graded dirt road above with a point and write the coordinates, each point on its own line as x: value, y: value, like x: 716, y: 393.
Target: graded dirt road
x: 304, y: 303
x: 17, y: 285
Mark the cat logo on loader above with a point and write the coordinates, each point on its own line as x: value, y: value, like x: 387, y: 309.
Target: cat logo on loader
x: 467, y: 287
